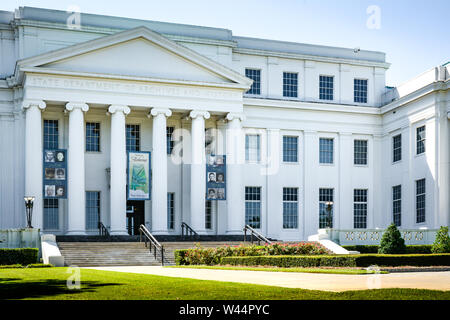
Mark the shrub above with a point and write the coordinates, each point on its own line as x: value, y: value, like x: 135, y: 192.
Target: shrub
x: 23, y: 256
x: 442, y: 242
x: 364, y: 260
x: 211, y: 256
x: 392, y: 241
x: 11, y: 266
x: 410, y: 249
x: 40, y: 265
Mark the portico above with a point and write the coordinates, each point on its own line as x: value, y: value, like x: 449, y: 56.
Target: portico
x: 202, y: 89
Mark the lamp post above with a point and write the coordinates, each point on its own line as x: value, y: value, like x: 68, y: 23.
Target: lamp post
x: 29, y: 209
x: 329, y: 208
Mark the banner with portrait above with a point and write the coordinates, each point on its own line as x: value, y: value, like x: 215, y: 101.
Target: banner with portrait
x: 138, y: 175
x: 216, y: 177
x: 55, y: 174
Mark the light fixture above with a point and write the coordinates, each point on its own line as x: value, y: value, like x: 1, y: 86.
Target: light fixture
x: 29, y: 201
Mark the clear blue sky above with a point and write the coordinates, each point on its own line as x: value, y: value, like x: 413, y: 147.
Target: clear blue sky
x: 414, y: 34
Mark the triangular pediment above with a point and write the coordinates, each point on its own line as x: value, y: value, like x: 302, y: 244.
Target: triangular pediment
x: 140, y: 53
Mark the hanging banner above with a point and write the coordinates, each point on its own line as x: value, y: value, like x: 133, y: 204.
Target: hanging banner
x: 138, y: 175
x: 55, y: 174
x: 216, y: 177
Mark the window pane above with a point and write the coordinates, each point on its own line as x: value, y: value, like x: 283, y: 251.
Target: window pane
x: 51, y: 214
x: 290, y: 84
x: 420, y: 137
x: 92, y: 136
x: 326, y: 208
x: 169, y: 136
x: 51, y: 134
x: 290, y: 208
x: 397, y: 147
x: 360, y: 152
x: 133, y: 137
x: 420, y: 201
x: 92, y: 209
x: 290, y: 146
x: 397, y: 205
x: 208, y: 214
x: 252, y: 147
x: 326, y: 150
x: 170, y: 211
x: 360, y: 90
x: 253, y: 207
x: 360, y: 208
x: 255, y: 75
x: 326, y: 87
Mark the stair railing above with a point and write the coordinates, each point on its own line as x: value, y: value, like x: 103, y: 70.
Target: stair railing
x: 253, y: 233
x: 102, y: 230
x: 187, y: 231
x: 153, y: 243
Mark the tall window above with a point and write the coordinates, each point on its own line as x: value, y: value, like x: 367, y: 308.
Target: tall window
x: 208, y: 214
x: 133, y: 137
x: 92, y: 209
x: 360, y: 90
x: 290, y: 149
x: 397, y: 148
x: 360, y: 208
x: 360, y: 152
x: 92, y: 136
x: 420, y: 201
x: 326, y: 208
x: 51, y: 206
x: 170, y: 210
x: 290, y: 84
x: 290, y: 208
x: 252, y: 147
x: 420, y: 139
x: 397, y: 205
x: 170, y: 142
x: 255, y: 75
x: 253, y: 207
x: 51, y: 134
x: 326, y: 87
x: 51, y: 214
x: 326, y: 146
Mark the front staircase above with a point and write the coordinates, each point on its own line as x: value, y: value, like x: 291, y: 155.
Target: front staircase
x: 95, y: 254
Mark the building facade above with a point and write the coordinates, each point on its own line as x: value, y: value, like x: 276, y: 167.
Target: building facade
x: 312, y: 136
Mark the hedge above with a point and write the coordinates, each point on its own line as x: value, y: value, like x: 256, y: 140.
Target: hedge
x: 212, y: 256
x: 410, y: 249
x: 363, y: 260
x: 23, y: 256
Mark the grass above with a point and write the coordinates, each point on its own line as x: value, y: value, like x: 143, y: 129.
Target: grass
x: 50, y: 283
x: 273, y: 269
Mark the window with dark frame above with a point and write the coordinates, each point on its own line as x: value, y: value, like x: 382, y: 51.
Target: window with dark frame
x: 360, y: 90
x: 420, y: 201
x: 326, y: 148
x: 290, y: 208
x: 208, y: 214
x: 255, y: 75
x: 360, y: 208
x: 51, y: 134
x: 326, y: 87
x: 51, y: 206
x: 290, y: 84
x: 92, y: 136
x: 253, y: 207
x: 420, y: 138
x: 170, y: 141
x: 133, y: 135
x: 397, y: 205
x: 360, y: 152
x: 397, y: 148
x: 326, y: 203
x: 92, y: 209
x: 170, y: 210
x: 290, y: 149
x: 253, y: 147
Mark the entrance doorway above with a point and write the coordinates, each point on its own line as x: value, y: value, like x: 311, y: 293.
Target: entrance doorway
x: 135, y: 216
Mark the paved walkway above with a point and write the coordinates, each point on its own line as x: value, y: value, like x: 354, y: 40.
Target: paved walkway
x: 313, y: 281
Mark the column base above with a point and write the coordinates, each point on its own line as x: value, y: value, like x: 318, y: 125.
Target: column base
x: 76, y: 233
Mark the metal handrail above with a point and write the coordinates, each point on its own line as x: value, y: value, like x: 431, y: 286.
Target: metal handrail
x: 152, y: 242
x: 102, y: 230
x: 189, y: 231
x: 255, y: 233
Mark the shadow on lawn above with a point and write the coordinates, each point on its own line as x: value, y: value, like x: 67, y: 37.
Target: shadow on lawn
x: 11, y: 288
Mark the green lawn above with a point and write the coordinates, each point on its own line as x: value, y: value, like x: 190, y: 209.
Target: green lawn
x: 305, y: 270
x: 50, y: 283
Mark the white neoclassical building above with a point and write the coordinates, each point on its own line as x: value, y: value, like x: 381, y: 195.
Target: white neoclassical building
x: 312, y: 136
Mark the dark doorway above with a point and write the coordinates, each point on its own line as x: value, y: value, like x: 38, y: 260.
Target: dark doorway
x: 135, y: 216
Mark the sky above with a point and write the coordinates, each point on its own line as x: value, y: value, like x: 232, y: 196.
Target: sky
x: 413, y: 34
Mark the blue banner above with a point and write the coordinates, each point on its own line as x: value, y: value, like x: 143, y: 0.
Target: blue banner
x: 216, y: 175
x: 55, y: 174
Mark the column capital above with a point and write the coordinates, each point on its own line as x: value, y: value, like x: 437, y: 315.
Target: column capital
x: 199, y: 113
x: 30, y: 103
x: 77, y: 105
x: 119, y: 108
x: 156, y: 111
x: 234, y: 115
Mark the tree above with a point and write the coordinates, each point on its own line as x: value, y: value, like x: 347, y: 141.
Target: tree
x: 442, y: 242
x: 392, y: 241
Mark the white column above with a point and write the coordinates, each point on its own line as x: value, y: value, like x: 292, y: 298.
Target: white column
x: 76, y: 198
x: 118, y: 197
x: 33, y: 158
x: 198, y: 174
x: 235, y: 186
x: 159, y: 172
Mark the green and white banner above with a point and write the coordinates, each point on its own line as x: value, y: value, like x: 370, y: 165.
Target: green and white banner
x: 139, y: 176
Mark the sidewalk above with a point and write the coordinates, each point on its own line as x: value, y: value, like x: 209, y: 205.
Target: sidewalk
x: 312, y: 281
